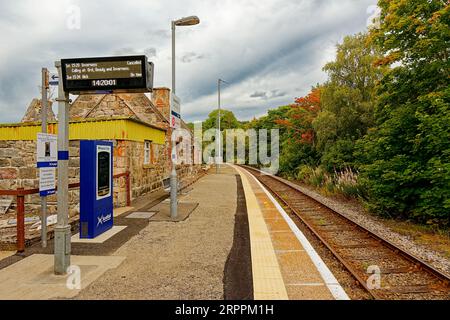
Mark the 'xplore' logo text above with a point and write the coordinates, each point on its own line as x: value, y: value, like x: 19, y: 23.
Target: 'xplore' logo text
x: 102, y: 219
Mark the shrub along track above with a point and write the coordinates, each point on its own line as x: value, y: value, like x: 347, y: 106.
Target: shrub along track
x: 361, y: 252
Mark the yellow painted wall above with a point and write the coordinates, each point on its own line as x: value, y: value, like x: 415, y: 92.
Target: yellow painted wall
x: 119, y: 129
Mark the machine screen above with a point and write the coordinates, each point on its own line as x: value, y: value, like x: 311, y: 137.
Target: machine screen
x: 103, y: 171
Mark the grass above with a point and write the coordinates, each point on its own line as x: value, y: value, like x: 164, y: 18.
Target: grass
x: 344, y: 182
x: 343, y: 187
x: 436, y: 239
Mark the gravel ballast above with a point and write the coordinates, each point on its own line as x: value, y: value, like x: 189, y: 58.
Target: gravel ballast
x: 374, y: 225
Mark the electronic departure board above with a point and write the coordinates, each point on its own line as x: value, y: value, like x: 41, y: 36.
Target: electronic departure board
x: 107, y: 74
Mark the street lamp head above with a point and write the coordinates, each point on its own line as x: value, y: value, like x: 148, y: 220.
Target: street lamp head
x: 187, y: 21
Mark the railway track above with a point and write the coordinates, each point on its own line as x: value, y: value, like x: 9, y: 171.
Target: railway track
x: 367, y: 256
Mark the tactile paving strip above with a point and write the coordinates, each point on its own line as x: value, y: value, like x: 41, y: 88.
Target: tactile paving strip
x: 300, y: 277
x: 267, y: 279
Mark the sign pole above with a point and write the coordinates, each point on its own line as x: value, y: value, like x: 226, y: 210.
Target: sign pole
x: 44, y: 130
x: 62, y: 229
x: 219, y: 157
x: 173, y: 172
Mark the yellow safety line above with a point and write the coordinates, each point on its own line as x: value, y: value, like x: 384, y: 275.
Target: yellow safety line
x: 268, y: 282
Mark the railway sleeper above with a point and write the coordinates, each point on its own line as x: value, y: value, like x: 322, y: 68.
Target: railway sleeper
x: 355, y: 246
x: 412, y: 289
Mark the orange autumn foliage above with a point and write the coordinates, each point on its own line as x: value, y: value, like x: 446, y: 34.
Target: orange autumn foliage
x: 300, y: 117
x: 311, y: 102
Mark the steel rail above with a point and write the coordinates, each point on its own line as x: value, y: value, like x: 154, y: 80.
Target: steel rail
x: 444, y: 280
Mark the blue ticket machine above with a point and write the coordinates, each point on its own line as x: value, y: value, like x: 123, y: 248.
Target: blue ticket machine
x: 96, y: 187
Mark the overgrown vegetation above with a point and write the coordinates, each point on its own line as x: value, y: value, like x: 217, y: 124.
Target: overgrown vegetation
x: 379, y: 128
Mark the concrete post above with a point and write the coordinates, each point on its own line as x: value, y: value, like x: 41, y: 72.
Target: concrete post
x: 62, y: 229
x: 44, y: 130
x: 173, y: 172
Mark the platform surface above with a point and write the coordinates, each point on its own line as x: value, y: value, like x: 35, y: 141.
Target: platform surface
x: 99, y: 239
x: 236, y: 244
x: 121, y: 210
x: 183, y: 260
x: 162, y: 210
x: 141, y: 215
x: 38, y: 282
x: 282, y: 267
x: 267, y: 279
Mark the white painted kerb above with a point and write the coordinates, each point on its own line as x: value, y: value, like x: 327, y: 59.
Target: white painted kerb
x: 330, y: 280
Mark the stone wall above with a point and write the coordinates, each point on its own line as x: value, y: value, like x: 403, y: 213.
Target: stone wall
x: 18, y: 169
x: 144, y: 178
x: 147, y: 178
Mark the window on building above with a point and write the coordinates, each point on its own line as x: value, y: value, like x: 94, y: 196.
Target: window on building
x: 147, y: 152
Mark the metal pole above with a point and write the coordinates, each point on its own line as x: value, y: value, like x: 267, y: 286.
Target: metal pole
x: 44, y: 130
x: 173, y: 59
x: 173, y: 173
x: 218, y: 130
x: 20, y: 221
x: 62, y: 229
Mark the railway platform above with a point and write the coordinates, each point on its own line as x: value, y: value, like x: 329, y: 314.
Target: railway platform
x: 284, y: 264
x: 236, y: 243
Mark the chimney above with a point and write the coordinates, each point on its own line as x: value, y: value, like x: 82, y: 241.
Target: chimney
x: 33, y: 112
x: 161, y: 99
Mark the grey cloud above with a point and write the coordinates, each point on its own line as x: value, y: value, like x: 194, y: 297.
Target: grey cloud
x: 268, y: 95
x: 149, y: 52
x: 191, y: 56
x: 158, y: 34
x: 288, y: 54
x: 13, y: 99
x: 259, y: 47
x: 277, y: 93
x: 259, y: 94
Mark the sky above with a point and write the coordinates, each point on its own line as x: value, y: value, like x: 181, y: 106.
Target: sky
x: 269, y: 51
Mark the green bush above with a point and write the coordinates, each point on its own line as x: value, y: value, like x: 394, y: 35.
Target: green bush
x: 405, y: 159
x: 330, y: 187
x: 338, y: 156
x: 304, y: 173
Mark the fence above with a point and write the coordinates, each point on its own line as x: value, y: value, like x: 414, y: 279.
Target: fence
x: 20, y: 194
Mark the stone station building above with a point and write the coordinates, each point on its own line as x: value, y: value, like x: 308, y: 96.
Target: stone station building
x: 135, y: 124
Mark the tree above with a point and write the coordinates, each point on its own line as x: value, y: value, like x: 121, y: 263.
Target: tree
x: 406, y: 158
x: 347, y: 101
x: 298, y: 138
x: 227, y: 120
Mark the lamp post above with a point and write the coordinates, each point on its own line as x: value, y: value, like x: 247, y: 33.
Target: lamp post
x: 187, y: 21
x: 219, y: 136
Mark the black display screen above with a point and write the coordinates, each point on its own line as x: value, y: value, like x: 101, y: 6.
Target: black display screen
x: 103, y: 172
x: 119, y: 74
